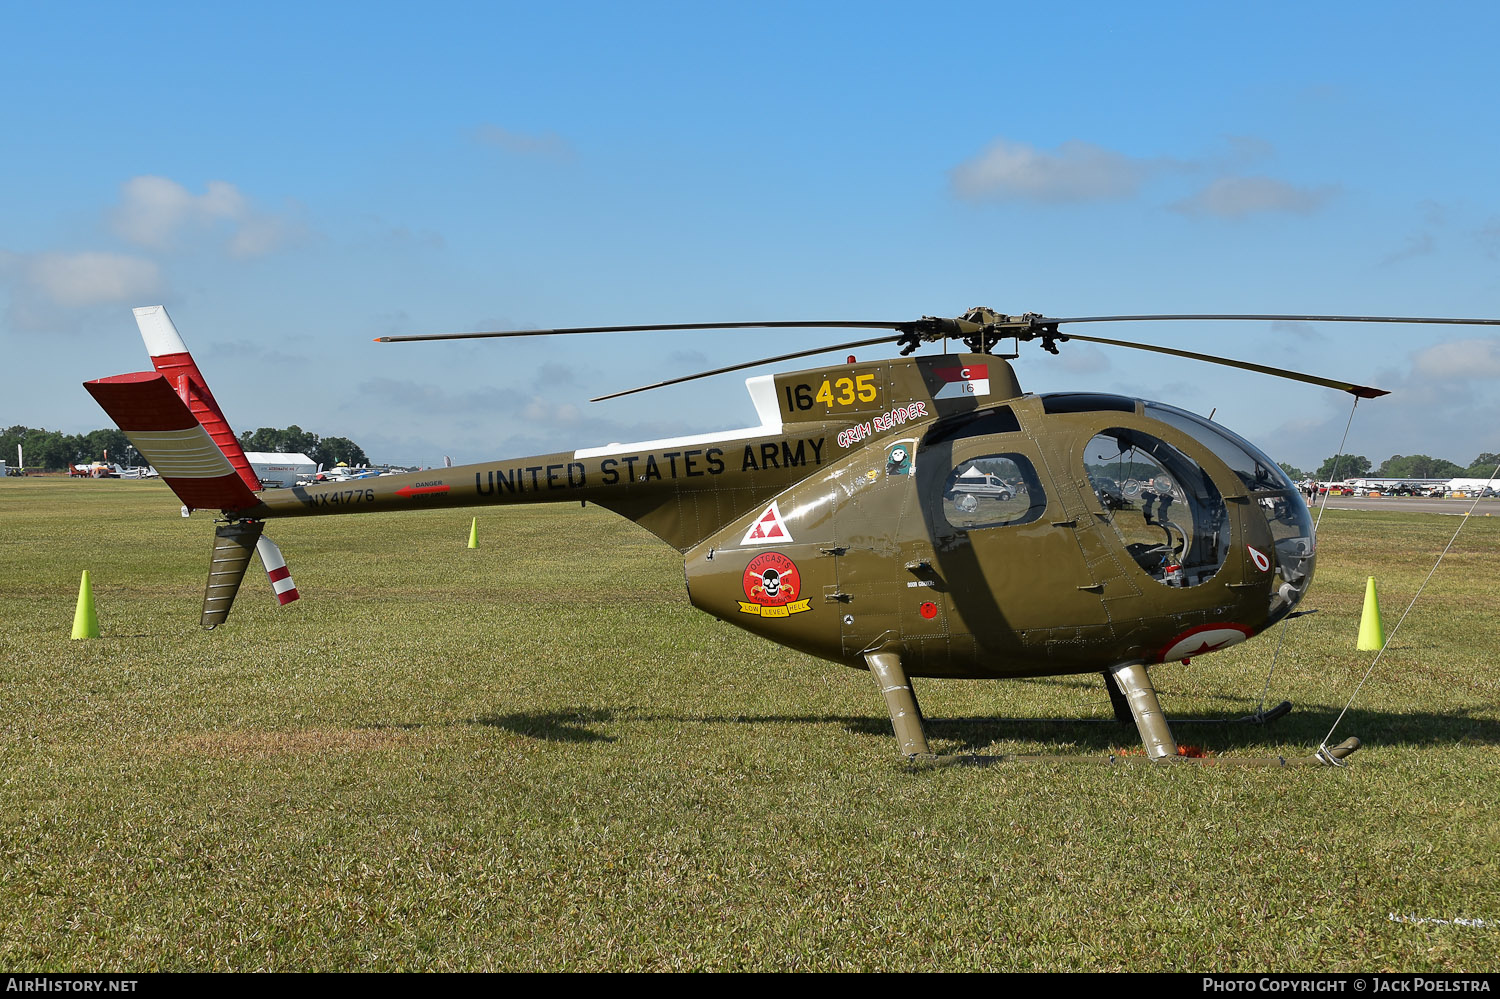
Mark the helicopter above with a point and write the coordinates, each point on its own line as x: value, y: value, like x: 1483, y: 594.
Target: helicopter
x: 917, y: 516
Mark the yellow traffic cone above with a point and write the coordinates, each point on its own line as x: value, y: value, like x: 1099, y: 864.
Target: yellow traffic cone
x: 474, y: 534
x: 85, y: 621
x: 1371, y: 630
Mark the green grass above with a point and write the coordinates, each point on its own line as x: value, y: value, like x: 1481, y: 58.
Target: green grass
x: 538, y: 756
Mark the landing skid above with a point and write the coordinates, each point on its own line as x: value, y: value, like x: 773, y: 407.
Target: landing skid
x: 1121, y: 708
x: 1254, y: 718
x: 1331, y: 757
x: 1133, y: 696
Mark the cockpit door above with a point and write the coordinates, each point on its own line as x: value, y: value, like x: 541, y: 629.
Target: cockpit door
x: 874, y: 494
x: 1085, y: 518
x: 1004, y: 548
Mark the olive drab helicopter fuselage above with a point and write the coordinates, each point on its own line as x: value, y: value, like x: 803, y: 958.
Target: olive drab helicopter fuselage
x: 916, y: 517
x: 806, y: 531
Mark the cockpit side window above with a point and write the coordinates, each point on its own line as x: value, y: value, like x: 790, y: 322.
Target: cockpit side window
x: 1166, y: 510
x: 995, y: 490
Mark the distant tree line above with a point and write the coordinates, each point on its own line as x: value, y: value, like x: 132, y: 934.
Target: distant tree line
x: 326, y: 451
x: 1402, y: 466
x: 55, y: 451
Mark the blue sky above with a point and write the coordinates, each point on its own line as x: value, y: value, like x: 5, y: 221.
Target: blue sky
x: 292, y: 181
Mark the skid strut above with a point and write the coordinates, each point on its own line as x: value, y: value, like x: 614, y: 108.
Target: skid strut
x: 1134, y: 689
x: 1140, y: 697
x: 900, y: 700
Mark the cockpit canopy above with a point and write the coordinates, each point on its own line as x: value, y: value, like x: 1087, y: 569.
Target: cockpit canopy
x: 1163, y: 503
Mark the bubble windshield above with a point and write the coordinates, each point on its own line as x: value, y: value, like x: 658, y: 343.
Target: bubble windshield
x: 1272, y: 491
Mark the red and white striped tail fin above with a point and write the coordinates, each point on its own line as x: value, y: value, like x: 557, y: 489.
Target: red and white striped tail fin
x: 170, y: 357
x: 174, y: 422
x: 280, y: 575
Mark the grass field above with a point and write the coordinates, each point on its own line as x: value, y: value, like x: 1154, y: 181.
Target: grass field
x: 537, y: 755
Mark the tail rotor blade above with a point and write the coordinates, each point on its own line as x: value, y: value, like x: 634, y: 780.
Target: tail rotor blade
x: 276, y: 570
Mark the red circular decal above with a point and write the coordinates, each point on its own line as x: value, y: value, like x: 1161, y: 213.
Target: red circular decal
x: 772, y: 580
x: 929, y: 610
x: 1204, y: 638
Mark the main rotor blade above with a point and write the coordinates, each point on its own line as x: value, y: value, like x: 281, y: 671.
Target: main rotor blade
x: 1362, y: 391
x: 660, y: 327
x: 751, y: 364
x: 1304, y: 319
x: 895, y: 325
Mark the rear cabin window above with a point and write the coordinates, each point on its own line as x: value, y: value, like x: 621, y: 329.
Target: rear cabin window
x: 995, y: 490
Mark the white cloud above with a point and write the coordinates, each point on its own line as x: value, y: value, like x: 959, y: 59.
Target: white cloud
x: 154, y: 210
x: 81, y: 279
x: 1076, y: 171
x: 1236, y: 197
x: 554, y: 373
x: 1437, y: 405
x: 474, y: 424
x: 160, y: 214
x: 262, y: 234
x: 689, y: 358
x: 1459, y: 360
x: 53, y: 291
x: 1083, y: 359
x: 538, y: 410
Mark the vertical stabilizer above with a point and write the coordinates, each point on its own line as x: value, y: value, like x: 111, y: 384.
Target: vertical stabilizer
x: 170, y: 357
x: 233, y: 546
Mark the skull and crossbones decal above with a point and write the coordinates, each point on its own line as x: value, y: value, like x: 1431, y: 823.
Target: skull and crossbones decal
x: 771, y: 580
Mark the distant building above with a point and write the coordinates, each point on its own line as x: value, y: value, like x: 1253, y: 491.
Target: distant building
x: 277, y: 471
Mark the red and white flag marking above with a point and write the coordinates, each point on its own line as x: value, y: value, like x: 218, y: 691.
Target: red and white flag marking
x: 972, y: 379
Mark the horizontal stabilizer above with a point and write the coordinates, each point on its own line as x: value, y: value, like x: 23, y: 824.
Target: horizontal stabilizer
x: 170, y: 437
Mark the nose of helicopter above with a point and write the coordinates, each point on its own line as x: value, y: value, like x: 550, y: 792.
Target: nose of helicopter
x: 1288, y: 569
x: 1294, y: 535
